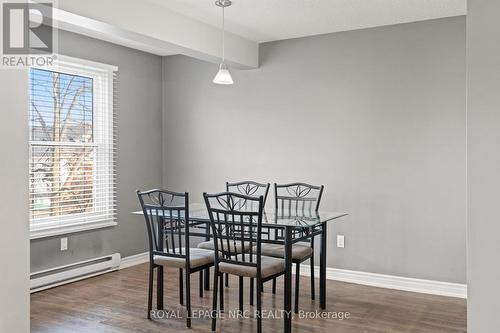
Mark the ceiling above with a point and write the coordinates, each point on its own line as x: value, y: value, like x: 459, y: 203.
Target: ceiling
x: 267, y: 20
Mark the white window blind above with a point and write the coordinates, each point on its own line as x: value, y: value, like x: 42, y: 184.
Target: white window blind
x: 71, y: 147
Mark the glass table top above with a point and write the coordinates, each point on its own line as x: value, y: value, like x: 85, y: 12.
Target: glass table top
x: 271, y: 218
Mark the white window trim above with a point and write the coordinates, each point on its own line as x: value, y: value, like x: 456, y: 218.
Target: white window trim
x: 65, y: 64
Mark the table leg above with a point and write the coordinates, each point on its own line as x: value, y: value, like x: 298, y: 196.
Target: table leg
x: 207, y: 270
x: 322, y: 268
x: 288, y: 281
x: 159, y: 270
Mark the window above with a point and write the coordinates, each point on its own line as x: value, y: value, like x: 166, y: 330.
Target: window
x: 71, y: 147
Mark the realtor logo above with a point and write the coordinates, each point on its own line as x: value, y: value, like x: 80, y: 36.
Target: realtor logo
x: 27, y: 28
x: 27, y: 33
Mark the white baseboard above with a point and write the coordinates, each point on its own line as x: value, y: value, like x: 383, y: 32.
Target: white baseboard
x: 136, y: 259
x: 391, y: 282
x: 364, y: 278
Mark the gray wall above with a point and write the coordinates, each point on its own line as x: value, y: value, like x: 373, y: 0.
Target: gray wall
x: 138, y: 152
x: 376, y: 115
x: 14, y: 253
x: 483, y: 247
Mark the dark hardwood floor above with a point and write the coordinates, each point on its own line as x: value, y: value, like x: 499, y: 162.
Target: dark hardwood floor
x: 116, y: 302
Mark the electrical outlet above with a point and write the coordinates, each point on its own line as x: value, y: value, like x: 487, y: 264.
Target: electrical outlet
x: 64, y: 244
x: 340, y: 241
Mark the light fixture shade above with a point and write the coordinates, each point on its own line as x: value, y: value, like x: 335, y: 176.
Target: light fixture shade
x: 223, y: 76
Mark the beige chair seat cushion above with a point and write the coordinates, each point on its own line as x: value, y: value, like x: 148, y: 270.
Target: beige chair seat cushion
x: 269, y: 266
x: 209, y: 245
x: 299, y: 251
x: 198, y: 257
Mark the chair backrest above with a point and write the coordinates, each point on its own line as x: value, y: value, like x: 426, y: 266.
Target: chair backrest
x: 236, y: 219
x: 249, y: 188
x: 297, y: 196
x: 167, y: 221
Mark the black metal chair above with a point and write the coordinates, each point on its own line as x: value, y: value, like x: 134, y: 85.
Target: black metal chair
x: 249, y: 188
x: 238, y: 218
x: 290, y: 198
x: 253, y: 189
x: 167, y: 221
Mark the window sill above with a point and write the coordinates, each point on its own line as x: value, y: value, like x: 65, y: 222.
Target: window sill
x: 68, y: 229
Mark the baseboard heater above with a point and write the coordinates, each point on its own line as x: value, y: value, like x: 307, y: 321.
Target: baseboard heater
x: 57, y: 276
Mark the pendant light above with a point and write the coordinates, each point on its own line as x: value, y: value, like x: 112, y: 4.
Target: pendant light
x: 223, y: 76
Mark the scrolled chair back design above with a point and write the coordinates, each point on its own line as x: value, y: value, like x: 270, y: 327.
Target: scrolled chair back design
x: 249, y: 188
x: 297, y: 197
x: 231, y: 203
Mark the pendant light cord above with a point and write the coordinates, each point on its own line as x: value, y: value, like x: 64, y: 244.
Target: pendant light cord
x: 223, y: 36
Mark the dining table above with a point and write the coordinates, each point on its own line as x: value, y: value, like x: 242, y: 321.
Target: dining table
x: 290, y: 226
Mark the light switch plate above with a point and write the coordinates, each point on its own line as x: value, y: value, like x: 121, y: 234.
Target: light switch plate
x: 340, y: 241
x: 64, y: 243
